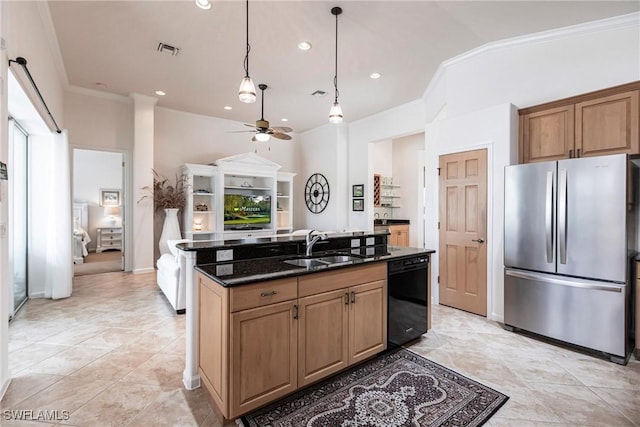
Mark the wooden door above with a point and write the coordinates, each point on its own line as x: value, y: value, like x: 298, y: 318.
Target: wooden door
x: 463, y: 226
x: 264, y: 355
x: 323, y: 335
x: 608, y: 125
x: 547, y: 135
x: 367, y: 320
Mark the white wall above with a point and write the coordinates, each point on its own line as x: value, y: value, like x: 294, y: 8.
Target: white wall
x: 93, y: 170
x: 380, y: 157
x: 495, y: 129
x: 478, y: 89
x: 323, y: 150
x: 408, y: 155
x: 406, y: 119
x: 539, y: 68
x: 24, y: 34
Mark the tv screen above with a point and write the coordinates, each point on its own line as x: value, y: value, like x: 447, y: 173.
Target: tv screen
x: 246, y: 210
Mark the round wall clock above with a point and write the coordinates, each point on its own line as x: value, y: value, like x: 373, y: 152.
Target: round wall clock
x: 316, y: 193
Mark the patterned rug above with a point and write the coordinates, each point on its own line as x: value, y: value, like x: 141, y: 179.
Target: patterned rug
x: 398, y: 388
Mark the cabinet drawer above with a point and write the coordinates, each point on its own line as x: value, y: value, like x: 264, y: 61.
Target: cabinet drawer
x: 324, y: 282
x: 263, y: 293
x: 107, y: 231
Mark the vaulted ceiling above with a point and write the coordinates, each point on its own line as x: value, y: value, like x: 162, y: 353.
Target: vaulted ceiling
x: 111, y: 46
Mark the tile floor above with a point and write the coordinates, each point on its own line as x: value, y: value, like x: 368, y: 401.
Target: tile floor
x: 113, y: 355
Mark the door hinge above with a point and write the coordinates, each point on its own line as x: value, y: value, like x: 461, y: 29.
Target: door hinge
x: 438, y: 171
x: 122, y: 164
x: 438, y: 225
x: 438, y: 279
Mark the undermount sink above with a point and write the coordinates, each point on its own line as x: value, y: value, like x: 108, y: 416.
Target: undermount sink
x: 320, y: 261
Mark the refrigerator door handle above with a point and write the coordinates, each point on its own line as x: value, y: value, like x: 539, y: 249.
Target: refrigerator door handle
x: 562, y: 215
x: 549, y: 216
x: 564, y: 282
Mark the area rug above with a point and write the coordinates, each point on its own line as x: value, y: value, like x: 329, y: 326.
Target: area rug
x: 398, y: 388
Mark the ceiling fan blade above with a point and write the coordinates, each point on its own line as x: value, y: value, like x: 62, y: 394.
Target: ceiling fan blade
x: 281, y: 136
x: 282, y: 129
x: 251, y: 126
x: 240, y: 131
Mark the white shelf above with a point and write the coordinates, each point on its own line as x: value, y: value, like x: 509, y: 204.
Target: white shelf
x: 201, y: 232
x: 204, y: 194
x: 282, y: 197
x: 389, y: 186
x: 203, y: 212
x: 239, y: 187
x: 283, y: 212
x: 390, y: 197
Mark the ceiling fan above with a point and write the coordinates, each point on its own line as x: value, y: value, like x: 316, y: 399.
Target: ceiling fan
x: 262, y: 130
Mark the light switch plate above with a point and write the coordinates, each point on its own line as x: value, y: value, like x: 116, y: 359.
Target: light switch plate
x: 224, y: 255
x: 355, y: 243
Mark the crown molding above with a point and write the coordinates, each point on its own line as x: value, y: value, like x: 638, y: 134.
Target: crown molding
x: 616, y: 22
x: 98, y: 94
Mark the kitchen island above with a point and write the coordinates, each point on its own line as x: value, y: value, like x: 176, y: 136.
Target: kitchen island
x: 271, y: 320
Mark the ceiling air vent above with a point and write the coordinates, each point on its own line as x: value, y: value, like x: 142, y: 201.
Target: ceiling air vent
x: 319, y: 93
x: 167, y: 48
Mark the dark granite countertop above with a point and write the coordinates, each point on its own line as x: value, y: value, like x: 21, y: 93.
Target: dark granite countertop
x: 210, y: 244
x: 243, y: 272
x: 390, y: 221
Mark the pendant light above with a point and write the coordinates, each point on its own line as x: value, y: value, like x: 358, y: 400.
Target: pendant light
x: 335, y: 114
x: 247, y: 92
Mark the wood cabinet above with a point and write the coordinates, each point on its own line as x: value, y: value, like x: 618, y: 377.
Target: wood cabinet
x: 399, y: 235
x: 593, y: 124
x: 262, y: 341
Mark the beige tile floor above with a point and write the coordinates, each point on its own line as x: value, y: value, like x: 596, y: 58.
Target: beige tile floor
x: 113, y: 355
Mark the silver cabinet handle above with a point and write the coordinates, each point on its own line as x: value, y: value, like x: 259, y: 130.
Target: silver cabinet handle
x: 268, y: 293
x: 295, y: 312
x: 479, y: 240
x: 346, y: 298
x: 353, y: 297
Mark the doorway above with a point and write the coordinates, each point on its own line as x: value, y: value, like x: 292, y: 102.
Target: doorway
x: 18, y: 210
x: 463, y: 231
x: 98, y: 206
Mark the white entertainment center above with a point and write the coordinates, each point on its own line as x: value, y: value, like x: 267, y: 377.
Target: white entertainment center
x: 238, y: 197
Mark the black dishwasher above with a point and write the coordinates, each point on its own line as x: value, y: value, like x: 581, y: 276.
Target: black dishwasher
x: 407, y: 299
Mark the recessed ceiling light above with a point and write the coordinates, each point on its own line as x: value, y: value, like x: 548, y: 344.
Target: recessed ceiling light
x: 203, y: 4
x: 375, y: 75
x: 160, y: 93
x: 304, y: 45
x: 284, y: 119
x: 228, y: 107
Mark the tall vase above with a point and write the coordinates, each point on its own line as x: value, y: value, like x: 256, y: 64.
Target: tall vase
x: 170, y: 230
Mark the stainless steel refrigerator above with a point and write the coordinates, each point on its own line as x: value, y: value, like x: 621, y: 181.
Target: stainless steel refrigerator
x: 569, y: 241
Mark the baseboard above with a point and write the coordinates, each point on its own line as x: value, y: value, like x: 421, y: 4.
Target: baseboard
x: 37, y: 295
x: 143, y: 270
x: 191, y: 383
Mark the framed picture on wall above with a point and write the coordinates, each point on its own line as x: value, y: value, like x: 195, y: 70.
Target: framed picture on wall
x: 110, y: 197
x: 358, y: 190
x: 358, y: 204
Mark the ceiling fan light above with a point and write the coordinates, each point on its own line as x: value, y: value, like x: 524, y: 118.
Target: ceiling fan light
x: 203, y: 4
x: 247, y: 92
x: 335, y: 114
x: 262, y: 137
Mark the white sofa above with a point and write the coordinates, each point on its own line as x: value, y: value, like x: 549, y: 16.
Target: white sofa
x: 171, y: 276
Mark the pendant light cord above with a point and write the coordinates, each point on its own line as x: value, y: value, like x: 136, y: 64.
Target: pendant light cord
x: 246, y: 57
x: 335, y: 76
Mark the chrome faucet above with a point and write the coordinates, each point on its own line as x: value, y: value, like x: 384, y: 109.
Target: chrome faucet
x: 311, y: 240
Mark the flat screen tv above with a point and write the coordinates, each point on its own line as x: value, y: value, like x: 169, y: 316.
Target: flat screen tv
x: 246, y: 210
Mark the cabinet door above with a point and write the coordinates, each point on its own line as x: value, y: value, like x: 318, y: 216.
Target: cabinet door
x: 399, y: 235
x: 323, y: 335
x: 546, y: 135
x: 367, y: 320
x: 608, y: 125
x: 263, y: 360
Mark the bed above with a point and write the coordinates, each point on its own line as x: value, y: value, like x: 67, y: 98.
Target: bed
x: 80, y: 236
